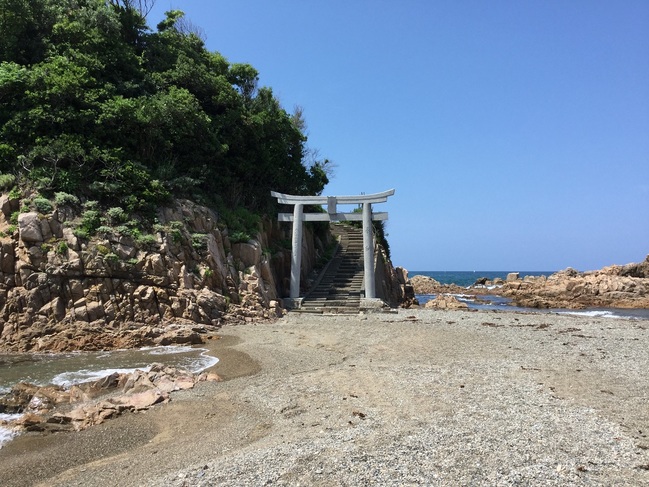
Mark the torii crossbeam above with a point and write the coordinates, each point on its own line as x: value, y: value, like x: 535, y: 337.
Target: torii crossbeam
x: 332, y: 214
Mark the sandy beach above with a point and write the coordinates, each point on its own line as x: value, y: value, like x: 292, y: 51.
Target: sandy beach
x: 418, y: 397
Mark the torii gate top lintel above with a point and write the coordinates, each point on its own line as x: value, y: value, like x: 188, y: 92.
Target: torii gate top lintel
x: 289, y: 199
x: 332, y: 214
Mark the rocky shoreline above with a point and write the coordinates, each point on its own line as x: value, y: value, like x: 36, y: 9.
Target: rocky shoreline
x: 55, y: 409
x: 39, y: 411
x: 615, y: 286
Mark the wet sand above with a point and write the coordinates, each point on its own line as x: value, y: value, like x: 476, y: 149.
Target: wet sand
x: 418, y: 397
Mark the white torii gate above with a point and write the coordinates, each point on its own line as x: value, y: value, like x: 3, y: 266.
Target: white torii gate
x: 332, y: 214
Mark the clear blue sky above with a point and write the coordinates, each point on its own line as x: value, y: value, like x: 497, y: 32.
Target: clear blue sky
x: 515, y: 133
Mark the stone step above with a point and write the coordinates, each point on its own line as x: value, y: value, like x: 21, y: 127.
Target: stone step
x: 339, y: 290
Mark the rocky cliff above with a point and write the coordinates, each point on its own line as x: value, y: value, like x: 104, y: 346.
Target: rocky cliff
x: 391, y: 283
x: 119, y: 289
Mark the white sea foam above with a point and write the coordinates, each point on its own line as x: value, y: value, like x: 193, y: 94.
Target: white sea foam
x: 167, y: 350
x: 202, y: 362
x: 7, y: 434
x: 8, y: 417
x: 591, y: 313
x: 194, y: 365
x: 206, y: 361
x: 67, y: 379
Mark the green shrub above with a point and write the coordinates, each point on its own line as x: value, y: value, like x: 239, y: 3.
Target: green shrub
x: 239, y: 237
x: 91, y: 205
x: 43, y: 205
x: 146, y: 239
x: 135, y: 233
x: 62, y: 248
x: 176, y: 231
x: 90, y: 222
x: 7, y: 181
x: 199, y: 241
x: 176, y: 225
x: 15, y: 193
x: 13, y: 219
x: 111, y: 258
x: 240, y: 220
x: 103, y: 249
x: 61, y: 199
x: 81, y: 233
x: 176, y: 236
x: 117, y: 214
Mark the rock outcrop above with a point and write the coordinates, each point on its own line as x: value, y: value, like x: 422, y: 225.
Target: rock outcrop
x: 617, y: 286
x: 614, y: 286
x: 391, y: 283
x: 53, y: 408
x: 407, y: 295
x: 428, y: 285
x: 120, y: 289
x: 445, y: 301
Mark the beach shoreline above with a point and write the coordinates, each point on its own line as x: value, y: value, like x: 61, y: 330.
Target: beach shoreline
x: 417, y: 396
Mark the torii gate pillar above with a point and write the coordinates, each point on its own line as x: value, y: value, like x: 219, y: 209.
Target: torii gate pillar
x: 296, y: 251
x: 368, y: 251
x: 332, y: 214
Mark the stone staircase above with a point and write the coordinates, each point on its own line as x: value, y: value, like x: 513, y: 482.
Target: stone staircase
x: 340, y: 287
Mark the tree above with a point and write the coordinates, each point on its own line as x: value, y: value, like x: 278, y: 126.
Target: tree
x: 143, y: 7
x: 25, y: 27
x: 94, y: 102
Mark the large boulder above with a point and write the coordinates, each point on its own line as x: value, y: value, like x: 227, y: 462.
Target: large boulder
x: 513, y: 276
x: 444, y: 301
x: 424, y: 284
x: 30, y: 229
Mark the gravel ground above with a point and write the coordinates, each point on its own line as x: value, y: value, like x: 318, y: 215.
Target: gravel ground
x: 419, y: 397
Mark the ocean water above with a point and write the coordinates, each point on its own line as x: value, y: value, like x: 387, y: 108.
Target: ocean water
x: 66, y: 369
x: 500, y: 303
x: 468, y: 278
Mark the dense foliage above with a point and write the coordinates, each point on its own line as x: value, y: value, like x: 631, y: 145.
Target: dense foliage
x: 93, y: 102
